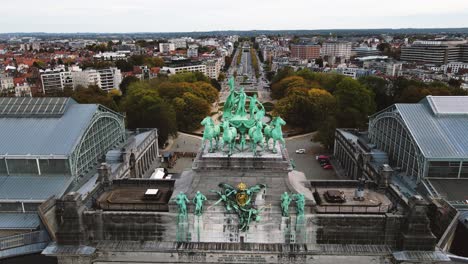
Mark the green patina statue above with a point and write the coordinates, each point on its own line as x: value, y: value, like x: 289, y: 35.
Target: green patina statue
x: 240, y: 102
x: 256, y: 137
x: 211, y: 132
x: 276, y: 132
x: 285, y: 201
x: 300, y: 204
x: 237, y: 126
x: 239, y: 200
x: 181, y: 200
x: 198, y: 201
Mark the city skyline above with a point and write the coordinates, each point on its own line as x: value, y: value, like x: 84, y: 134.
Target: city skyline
x: 124, y: 16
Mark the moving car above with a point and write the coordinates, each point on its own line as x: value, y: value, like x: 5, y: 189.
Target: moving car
x: 328, y: 167
x: 300, y: 151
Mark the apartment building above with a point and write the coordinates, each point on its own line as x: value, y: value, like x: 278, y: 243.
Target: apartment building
x: 166, y: 47
x: 337, y: 49
x: 86, y: 78
x: 192, y: 51
x: 175, y: 69
x: 213, y: 67
x: 305, y: 52
x: 54, y: 81
x: 110, y: 78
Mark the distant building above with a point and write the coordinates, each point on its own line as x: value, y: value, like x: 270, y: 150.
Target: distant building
x: 175, y: 69
x: 213, y: 67
x: 6, y: 84
x: 54, y: 81
x: 110, y: 78
x: 305, y: 52
x: 166, y: 47
x: 337, y: 49
x: 388, y: 68
x: 110, y: 56
x: 86, y: 78
x: 435, y: 52
x: 366, y: 51
x: 179, y: 43
x: 354, y: 72
x: 192, y: 51
x: 455, y: 67
x: 23, y: 90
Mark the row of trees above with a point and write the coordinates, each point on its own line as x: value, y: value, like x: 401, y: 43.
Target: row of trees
x: 255, y: 65
x: 324, y: 101
x: 178, y: 102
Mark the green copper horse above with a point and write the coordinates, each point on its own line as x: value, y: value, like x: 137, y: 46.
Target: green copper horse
x: 198, y: 201
x: 256, y: 138
x: 267, y: 132
x: 277, y: 133
x: 229, y: 137
x: 210, y: 132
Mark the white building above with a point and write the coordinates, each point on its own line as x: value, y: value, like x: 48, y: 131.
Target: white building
x: 192, y: 51
x: 110, y: 56
x: 23, y: 90
x: 387, y: 68
x: 166, y: 47
x: 213, y: 67
x: 86, y: 78
x: 179, y: 43
x: 337, y: 49
x: 6, y: 83
x: 454, y: 67
x: 110, y: 78
x: 186, y: 68
x: 56, y: 81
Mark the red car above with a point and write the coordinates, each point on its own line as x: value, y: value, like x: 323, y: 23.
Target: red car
x: 328, y: 167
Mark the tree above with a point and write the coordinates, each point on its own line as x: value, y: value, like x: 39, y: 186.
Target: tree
x: 354, y: 103
x: 145, y: 109
x: 221, y: 77
x: 193, y: 110
x: 94, y: 95
x: 126, y: 83
x: 279, y: 89
x: 326, y: 133
x: 380, y: 87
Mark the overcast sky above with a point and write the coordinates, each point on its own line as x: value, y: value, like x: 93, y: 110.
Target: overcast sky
x: 207, y: 15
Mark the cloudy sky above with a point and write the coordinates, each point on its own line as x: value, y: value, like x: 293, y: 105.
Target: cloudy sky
x: 207, y: 15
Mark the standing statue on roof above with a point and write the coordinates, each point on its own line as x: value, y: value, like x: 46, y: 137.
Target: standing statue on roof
x: 198, y: 201
x: 181, y: 200
x: 230, y: 100
x: 241, y: 100
x: 285, y: 201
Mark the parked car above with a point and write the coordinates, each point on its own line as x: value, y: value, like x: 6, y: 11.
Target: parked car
x: 322, y: 157
x: 324, y: 162
x: 300, y: 151
x: 328, y: 167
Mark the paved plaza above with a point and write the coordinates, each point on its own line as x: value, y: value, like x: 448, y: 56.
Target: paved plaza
x: 304, y: 162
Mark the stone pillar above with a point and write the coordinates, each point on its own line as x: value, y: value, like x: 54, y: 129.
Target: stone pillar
x: 104, y: 175
x: 416, y: 233
x: 69, y: 214
x: 385, y: 176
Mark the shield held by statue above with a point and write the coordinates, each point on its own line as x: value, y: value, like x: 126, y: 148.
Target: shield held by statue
x: 242, y: 198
